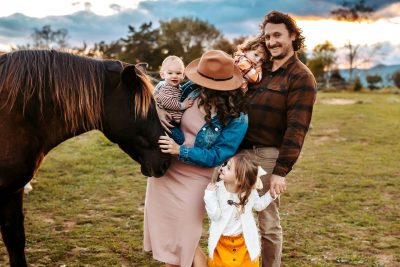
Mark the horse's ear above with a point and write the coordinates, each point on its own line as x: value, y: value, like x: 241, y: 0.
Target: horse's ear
x: 129, y: 76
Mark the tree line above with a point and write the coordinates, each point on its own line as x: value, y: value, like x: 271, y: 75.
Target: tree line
x: 189, y: 38
x: 186, y: 37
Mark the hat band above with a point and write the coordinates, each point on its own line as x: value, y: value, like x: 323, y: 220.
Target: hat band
x: 215, y: 79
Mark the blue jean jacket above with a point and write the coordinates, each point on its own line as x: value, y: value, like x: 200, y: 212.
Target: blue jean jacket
x: 214, y: 143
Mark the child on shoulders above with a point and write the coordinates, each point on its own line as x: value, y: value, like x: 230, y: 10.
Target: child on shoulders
x: 249, y: 58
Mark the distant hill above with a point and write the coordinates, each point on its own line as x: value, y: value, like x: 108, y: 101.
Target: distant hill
x: 385, y: 71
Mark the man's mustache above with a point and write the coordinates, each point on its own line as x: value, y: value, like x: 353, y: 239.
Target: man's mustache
x: 273, y: 46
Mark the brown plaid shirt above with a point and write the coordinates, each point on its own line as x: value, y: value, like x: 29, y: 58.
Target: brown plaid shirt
x: 280, y: 109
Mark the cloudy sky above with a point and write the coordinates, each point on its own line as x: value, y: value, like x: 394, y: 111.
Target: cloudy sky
x: 96, y: 20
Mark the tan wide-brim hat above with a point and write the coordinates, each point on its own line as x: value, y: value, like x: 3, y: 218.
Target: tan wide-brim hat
x: 215, y: 70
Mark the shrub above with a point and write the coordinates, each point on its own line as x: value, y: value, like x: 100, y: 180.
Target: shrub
x: 396, y: 78
x: 357, y: 85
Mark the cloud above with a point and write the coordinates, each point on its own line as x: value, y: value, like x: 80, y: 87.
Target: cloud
x: 389, y: 11
x: 233, y: 17
x: 82, y: 26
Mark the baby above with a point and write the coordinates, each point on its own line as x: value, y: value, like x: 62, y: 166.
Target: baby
x: 249, y: 58
x: 168, y: 93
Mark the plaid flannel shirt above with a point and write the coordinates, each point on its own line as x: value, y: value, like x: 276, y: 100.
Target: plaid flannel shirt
x: 280, y: 109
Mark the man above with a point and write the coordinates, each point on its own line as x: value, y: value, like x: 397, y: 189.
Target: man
x: 280, y: 108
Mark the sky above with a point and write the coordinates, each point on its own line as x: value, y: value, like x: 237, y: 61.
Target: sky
x: 107, y: 20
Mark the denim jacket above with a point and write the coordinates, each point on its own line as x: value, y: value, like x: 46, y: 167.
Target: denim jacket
x: 214, y: 143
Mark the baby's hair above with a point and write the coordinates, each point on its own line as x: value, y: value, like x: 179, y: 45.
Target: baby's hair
x: 252, y: 43
x: 171, y: 58
x: 246, y: 177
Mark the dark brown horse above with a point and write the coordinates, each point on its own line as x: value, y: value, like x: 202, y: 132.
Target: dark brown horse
x: 47, y: 97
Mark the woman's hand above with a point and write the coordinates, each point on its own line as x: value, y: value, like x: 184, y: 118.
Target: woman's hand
x: 165, y: 119
x: 168, y: 145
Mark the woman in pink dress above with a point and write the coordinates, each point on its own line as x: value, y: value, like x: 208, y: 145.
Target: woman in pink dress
x: 213, y: 129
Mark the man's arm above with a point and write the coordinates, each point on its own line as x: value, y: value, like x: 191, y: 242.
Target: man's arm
x: 301, y: 98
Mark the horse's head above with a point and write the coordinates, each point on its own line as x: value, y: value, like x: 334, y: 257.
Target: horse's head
x: 130, y: 119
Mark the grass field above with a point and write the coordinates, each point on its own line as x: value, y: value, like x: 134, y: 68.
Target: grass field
x: 342, y: 206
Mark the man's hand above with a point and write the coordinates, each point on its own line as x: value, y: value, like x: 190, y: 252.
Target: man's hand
x: 165, y: 119
x: 277, y: 185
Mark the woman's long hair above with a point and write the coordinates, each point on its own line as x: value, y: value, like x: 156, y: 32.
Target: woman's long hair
x: 228, y: 104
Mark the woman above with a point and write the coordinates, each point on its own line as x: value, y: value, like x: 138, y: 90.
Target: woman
x: 213, y: 129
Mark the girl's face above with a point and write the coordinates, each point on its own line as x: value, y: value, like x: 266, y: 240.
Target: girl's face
x: 256, y: 56
x: 227, y: 172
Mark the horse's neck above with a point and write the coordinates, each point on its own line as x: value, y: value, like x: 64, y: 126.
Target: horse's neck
x: 56, y: 135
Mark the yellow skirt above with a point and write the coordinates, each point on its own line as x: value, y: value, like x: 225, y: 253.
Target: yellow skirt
x: 231, y: 251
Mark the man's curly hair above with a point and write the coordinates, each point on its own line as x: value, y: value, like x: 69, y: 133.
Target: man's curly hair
x: 277, y: 17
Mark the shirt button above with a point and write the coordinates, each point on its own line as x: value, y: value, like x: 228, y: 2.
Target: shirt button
x: 234, y: 249
x: 216, y: 129
x: 204, y: 128
x: 234, y: 259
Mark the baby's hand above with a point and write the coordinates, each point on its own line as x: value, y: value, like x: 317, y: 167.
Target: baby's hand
x: 187, y: 103
x: 211, y: 187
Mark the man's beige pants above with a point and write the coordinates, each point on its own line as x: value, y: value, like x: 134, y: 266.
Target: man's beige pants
x: 268, y: 219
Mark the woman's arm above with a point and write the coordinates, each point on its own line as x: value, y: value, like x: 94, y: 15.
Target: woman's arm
x: 224, y: 147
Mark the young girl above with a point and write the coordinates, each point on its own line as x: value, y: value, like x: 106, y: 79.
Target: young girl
x: 234, y: 239
x: 249, y: 58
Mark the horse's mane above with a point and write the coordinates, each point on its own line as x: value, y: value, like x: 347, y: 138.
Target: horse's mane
x: 75, y: 85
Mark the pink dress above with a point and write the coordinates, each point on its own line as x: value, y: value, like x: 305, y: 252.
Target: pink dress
x: 174, y: 206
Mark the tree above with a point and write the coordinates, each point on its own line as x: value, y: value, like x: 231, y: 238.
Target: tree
x: 353, y: 11
x: 357, y: 55
x: 316, y: 66
x: 324, y: 55
x: 337, y: 80
x: 141, y: 45
x: 372, y: 80
x: 187, y: 37
x: 46, y: 38
x: 357, y: 85
x: 396, y: 78
x: 336, y: 76
x: 225, y: 45
x: 302, y: 56
x: 352, y: 53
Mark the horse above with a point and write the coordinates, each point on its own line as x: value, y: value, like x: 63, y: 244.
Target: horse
x: 47, y: 97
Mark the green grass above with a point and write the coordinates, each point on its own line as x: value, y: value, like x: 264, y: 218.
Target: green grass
x: 341, y: 208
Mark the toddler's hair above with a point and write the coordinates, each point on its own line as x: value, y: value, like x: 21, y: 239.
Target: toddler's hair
x: 246, y: 177
x: 252, y: 43
x: 171, y: 58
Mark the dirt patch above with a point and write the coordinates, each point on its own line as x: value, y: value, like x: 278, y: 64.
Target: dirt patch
x: 340, y: 101
x: 327, y: 135
x: 387, y: 260
x: 68, y: 225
